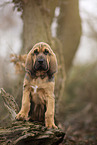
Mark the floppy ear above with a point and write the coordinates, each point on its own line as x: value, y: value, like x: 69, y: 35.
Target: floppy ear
x: 29, y: 63
x: 53, y: 66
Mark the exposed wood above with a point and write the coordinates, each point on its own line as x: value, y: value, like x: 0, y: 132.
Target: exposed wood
x: 9, y: 103
x: 22, y: 133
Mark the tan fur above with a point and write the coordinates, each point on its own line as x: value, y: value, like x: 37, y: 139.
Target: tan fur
x: 39, y: 87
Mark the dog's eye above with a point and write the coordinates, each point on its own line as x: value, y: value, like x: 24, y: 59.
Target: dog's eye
x: 36, y: 52
x: 46, y: 52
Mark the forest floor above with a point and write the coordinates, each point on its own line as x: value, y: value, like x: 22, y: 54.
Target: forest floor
x: 78, y: 108
x: 81, y: 127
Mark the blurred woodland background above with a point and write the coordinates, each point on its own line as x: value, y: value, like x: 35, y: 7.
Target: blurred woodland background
x: 69, y: 27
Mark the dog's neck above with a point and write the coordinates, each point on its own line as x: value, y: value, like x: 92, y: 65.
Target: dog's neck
x: 41, y: 74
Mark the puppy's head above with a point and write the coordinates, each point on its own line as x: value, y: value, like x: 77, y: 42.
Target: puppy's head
x: 41, y: 58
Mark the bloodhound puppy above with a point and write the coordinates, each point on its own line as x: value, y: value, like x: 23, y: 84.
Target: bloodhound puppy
x: 38, y: 100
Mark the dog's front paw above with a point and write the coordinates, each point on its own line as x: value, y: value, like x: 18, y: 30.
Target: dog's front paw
x: 21, y: 116
x: 51, y: 126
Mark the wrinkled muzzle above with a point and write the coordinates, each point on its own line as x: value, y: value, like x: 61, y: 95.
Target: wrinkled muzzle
x: 40, y: 64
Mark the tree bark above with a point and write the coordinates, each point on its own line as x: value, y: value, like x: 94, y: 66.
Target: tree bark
x: 37, y: 18
x: 22, y: 133
x: 69, y: 30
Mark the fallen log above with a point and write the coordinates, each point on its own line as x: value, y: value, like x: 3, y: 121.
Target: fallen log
x: 26, y: 132
x: 22, y: 133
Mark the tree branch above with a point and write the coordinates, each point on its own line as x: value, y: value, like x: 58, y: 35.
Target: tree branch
x: 9, y: 103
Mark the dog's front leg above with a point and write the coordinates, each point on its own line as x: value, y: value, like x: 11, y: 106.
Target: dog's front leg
x: 49, y: 115
x: 23, y: 114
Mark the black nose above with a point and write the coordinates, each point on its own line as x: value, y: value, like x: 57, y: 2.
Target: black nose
x: 40, y: 60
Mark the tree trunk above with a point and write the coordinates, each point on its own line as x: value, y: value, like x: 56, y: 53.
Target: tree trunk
x: 37, y: 18
x: 69, y: 30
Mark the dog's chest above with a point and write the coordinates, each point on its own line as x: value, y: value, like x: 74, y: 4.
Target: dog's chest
x: 38, y: 85
x: 38, y: 100
x: 38, y: 91
x: 34, y: 88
